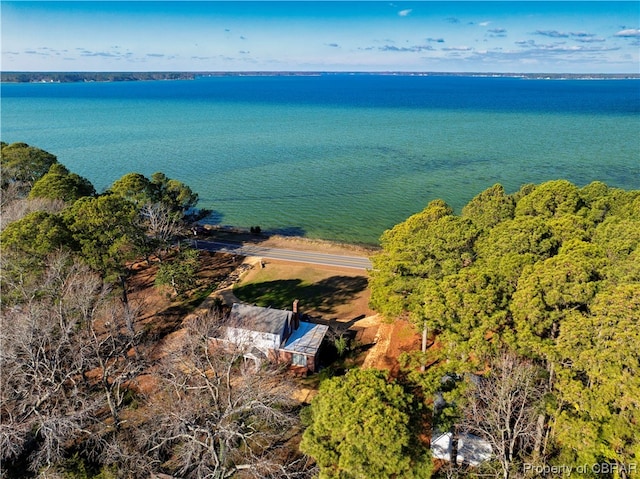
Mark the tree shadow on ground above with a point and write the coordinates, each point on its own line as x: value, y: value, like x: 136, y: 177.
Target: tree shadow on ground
x: 322, y: 297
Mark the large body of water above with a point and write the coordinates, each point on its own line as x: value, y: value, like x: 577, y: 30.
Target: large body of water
x: 339, y: 157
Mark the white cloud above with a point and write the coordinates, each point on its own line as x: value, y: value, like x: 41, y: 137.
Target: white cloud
x: 404, y: 13
x: 393, y: 48
x: 630, y: 32
x: 457, y: 49
x: 484, y: 24
x: 530, y: 47
x: 414, y: 48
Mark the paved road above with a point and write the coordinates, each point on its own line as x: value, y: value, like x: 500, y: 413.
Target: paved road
x: 356, y: 262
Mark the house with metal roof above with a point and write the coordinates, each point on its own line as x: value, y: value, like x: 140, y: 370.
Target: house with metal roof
x: 279, y: 335
x: 461, y: 447
x: 468, y: 448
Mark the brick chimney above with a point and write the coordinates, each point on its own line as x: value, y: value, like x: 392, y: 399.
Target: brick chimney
x: 296, y: 315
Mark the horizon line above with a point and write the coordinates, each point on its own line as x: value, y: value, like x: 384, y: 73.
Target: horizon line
x: 330, y: 72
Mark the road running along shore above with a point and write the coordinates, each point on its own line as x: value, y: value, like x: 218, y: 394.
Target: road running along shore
x: 339, y: 261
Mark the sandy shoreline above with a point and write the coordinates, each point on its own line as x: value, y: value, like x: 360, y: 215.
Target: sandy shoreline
x: 299, y: 243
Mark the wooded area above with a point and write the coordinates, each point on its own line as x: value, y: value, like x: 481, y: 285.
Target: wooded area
x: 72, y: 77
x: 529, y: 305
x: 74, y: 353
x: 549, y: 275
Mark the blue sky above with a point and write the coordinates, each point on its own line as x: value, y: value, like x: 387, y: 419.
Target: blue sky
x: 456, y: 36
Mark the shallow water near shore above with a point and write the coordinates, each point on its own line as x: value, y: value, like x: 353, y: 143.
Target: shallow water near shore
x: 335, y: 157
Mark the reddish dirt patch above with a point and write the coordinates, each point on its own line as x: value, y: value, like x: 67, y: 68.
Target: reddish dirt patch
x: 392, y: 339
x: 161, y: 312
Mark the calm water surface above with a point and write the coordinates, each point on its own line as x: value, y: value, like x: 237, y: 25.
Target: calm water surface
x: 337, y: 157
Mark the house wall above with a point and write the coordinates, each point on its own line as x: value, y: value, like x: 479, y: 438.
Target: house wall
x: 275, y: 355
x: 287, y: 357
x: 265, y: 342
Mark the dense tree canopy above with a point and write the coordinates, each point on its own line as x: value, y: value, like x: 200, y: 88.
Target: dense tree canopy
x: 59, y: 184
x: 551, y: 273
x: 105, y: 229
x: 429, y: 245
x: 365, y: 425
x: 24, y: 164
x: 600, y: 388
x: 38, y: 233
x: 161, y: 204
x: 133, y: 187
x: 137, y: 188
x: 173, y: 193
x: 136, y: 216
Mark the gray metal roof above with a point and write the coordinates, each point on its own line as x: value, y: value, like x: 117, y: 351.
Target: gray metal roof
x: 306, y: 339
x: 256, y: 318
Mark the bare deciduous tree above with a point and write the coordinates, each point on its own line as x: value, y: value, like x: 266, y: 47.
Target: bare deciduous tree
x: 70, y: 356
x: 111, y: 354
x: 65, y: 339
x: 161, y: 223
x: 15, y: 208
x: 503, y: 409
x: 43, y: 399
x: 220, y: 415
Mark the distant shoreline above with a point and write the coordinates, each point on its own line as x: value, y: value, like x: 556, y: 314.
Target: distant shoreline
x: 82, y: 77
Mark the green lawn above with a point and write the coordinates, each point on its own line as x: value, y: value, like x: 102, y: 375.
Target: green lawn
x: 319, y: 291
